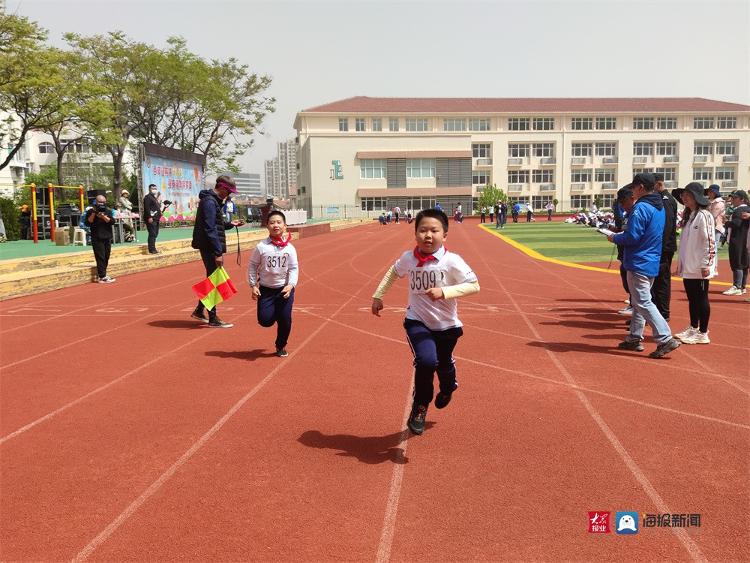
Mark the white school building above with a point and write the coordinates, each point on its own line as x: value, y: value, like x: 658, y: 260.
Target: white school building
x: 370, y: 154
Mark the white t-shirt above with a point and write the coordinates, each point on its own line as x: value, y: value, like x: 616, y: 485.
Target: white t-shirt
x: 273, y: 266
x: 449, y: 269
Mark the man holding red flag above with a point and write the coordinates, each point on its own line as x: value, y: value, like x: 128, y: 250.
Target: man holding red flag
x: 210, y: 239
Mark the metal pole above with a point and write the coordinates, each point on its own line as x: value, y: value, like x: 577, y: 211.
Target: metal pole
x: 51, y: 212
x: 34, y: 226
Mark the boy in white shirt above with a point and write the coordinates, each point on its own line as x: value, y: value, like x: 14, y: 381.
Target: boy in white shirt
x: 436, y: 278
x: 273, y: 274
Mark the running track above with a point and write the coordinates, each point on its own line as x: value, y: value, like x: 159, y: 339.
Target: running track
x: 129, y: 433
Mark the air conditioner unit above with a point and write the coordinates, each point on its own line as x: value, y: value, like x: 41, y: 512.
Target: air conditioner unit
x: 700, y: 159
x: 578, y: 161
x: 515, y: 161
x: 609, y: 160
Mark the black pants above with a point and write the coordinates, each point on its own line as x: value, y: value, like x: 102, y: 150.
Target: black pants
x: 274, y: 308
x: 624, y: 278
x: 661, y: 291
x: 153, y: 232
x: 209, y: 262
x: 433, y: 351
x: 515, y: 217
x: 700, y: 308
x: 528, y: 216
x: 102, y: 249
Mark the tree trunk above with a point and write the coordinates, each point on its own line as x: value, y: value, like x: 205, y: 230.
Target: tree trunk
x: 117, y: 152
x: 60, y: 157
x: 19, y: 143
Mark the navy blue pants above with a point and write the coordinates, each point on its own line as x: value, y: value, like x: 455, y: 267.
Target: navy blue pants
x: 433, y: 351
x: 273, y: 308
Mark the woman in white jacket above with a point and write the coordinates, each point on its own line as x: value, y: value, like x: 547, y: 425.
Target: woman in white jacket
x: 697, y: 262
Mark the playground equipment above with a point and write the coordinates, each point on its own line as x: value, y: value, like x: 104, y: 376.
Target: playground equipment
x: 51, y: 199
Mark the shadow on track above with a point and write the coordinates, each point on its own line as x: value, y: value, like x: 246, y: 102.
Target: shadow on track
x: 367, y: 449
x: 249, y: 355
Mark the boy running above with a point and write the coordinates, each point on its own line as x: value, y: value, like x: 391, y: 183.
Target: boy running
x: 436, y: 278
x: 273, y: 274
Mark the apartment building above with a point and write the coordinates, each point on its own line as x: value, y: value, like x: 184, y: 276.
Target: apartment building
x: 413, y: 152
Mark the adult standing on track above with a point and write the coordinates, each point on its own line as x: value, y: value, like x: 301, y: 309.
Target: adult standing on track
x: 697, y: 263
x: 737, y: 233
x: 661, y: 291
x: 716, y: 206
x: 152, y: 216
x: 100, y: 219
x: 210, y: 239
x: 642, y: 242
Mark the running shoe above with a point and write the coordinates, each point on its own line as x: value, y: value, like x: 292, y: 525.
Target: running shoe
x: 732, y: 291
x: 107, y: 279
x: 697, y: 337
x: 281, y: 352
x: 198, y: 316
x: 442, y: 399
x: 664, y: 349
x: 417, y: 419
x: 633, y: 345
x: 687, y: 333
x: 626, y: 311
x: 218, y: 323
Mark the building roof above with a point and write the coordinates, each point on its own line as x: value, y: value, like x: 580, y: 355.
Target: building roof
x: 365, y: 104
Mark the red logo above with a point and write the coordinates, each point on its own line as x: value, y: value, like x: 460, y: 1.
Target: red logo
x: 599, y: 522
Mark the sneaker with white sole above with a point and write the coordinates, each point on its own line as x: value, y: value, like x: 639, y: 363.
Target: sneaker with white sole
x: 697, y: 337
x: 107, y: 279
x: 744, y: 291
x: 665, y: 348
x: 626, y: 311
x: 732, y: 291
x: 687, y: 333
x: 627, y: 301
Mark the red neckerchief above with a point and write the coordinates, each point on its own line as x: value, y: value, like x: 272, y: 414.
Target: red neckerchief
x: 422, y: 259
x: 280, y: 242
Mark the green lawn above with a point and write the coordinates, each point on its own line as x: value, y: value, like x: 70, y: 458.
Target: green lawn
x: 573, y: 243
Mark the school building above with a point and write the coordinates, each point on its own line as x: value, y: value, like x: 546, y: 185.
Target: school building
x: 374, y: 153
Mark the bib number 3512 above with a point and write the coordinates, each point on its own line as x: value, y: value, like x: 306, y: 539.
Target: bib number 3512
x: 273, y: 262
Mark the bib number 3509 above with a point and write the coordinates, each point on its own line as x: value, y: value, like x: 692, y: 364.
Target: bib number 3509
x: 419, y: 281
x: 273, y: 262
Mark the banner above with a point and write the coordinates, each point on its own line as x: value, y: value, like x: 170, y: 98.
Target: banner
x: 179, y: 176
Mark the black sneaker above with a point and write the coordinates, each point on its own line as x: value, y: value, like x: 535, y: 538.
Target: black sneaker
x: 442, y: 399
x: 218, y: 323
x: 417, y: 419
x: 634, y: 345
x: 281, y: 352
x: 198, y: 316
x: 664, y: 349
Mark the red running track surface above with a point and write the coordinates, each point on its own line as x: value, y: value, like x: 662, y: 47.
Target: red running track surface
x: 128, y: 432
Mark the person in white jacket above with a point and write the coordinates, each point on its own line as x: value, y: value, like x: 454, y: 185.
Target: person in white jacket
x: 697, y: 262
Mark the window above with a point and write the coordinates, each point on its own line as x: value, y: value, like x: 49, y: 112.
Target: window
x: 343, y: 124
x: 46, y: 148
x: 544, y: 123
x: 480, y: 177
x: 479, y: 124
x: 604, y: 175
x: 642, y: 171
x: 374, y: 204
x: 518, y: 150
x: 606, y: 123
x: 606, y: 149
x: 703, y: 148
x: 359, y: 124
x: 543, y: 176
x: 702, y: 174
x: 518, y: 176
x: 726, y: 147
x: 544, y: 149
x: 420, y: 168
x: 666, y: 123
x: 727, y: 123
x: 369, y: 168
x: 518, y: 124
x: 670, y: 174
x: 607, y: 200
x: 643, y: 149
x: 76, y: 145
x: 643, y: 123
x: 703, y: 123
x: 580, y: 201
x: 454, y: 125
x: 724, y: 173
x: 416, y: 124
x: 583, y: 175
x: 582, y: 149
x: 393, y: 124
x: 582, y: 123
x: 666, y: 148
x: 481, y: 150
x: 377, y: 124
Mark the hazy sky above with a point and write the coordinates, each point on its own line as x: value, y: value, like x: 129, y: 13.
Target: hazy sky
x: 318, y: 52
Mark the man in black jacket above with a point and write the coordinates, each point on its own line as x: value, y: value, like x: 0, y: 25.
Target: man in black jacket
x: 152, y: 216
x: 209, y: 237
x: 661, y: 291
x: 100, y: 219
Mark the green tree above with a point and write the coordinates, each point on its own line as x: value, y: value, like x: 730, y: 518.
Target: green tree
x: 491, y: 194
x: 32, y: 76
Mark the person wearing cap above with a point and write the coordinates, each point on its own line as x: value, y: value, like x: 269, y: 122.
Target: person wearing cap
x: 210, y: 239
x: 642, y: 246
x: 736, y: 233
x: 717, y: 207
x: 125, y: 208
x: 661, y: 291
x: 697, y: 263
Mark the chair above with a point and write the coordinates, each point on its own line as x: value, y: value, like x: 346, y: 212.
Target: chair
x: 79, y: 237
